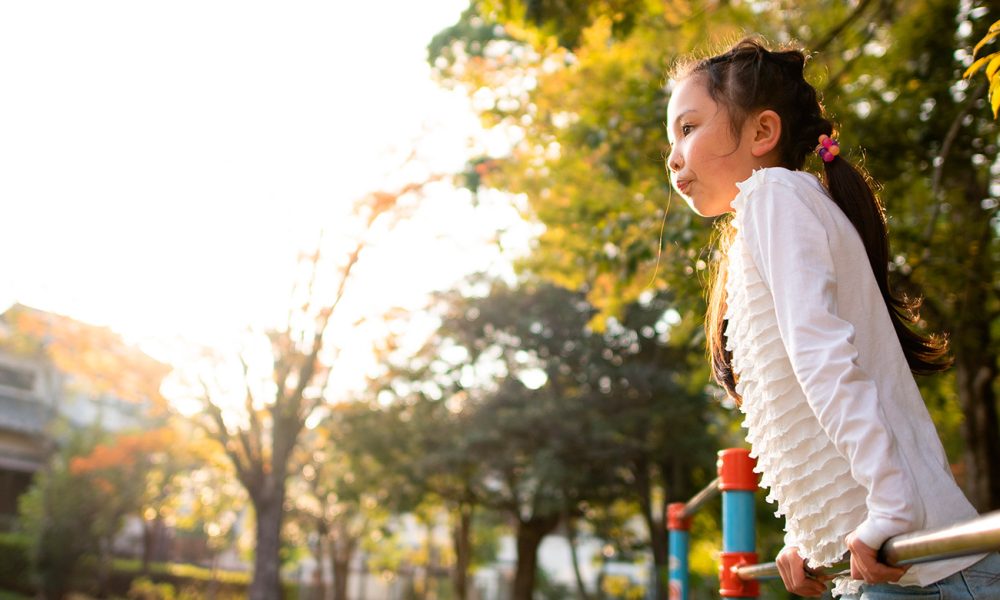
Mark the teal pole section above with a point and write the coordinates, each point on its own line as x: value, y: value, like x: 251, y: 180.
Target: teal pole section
x: 737, y: 481
x: 738, y: 532
x: 679, y: 528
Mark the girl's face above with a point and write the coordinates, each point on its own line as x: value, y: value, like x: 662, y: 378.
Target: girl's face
x: 706, y: 161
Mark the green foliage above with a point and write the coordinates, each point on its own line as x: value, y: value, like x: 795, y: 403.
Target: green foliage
x: 145, y: 589
x: 179, y: 581
x: 58, y: 514
x: 518, y: 405
x: 567, y: 21
x: 15, y: 562
x: 182, y: 572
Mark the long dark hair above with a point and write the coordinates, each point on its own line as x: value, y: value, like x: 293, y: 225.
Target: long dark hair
x: 750, y: 78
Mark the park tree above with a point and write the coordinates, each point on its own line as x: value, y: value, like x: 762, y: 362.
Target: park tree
x: 78, y: 504
x: 257, y: 408
x: 133, y: 474
x: 581, y: 88
x: 212, y: 504
x: 552, y: 415
x: 347, y: 496
x: 419, y: 402
x: 666, y: 427
x: 529, y: 449
x: 56, y: 513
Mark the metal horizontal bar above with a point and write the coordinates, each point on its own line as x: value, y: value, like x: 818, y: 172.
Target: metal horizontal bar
x: 770, y: 570
x: 707, y: 493
x: 975, y: 536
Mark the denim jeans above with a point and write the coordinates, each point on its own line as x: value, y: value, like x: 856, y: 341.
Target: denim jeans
x: 980, y: 581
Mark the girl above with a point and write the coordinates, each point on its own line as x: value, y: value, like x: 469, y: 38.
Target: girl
x: 805, y: 333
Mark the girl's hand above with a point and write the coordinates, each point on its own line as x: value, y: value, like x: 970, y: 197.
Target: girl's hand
x: 865, y: 565
x: 796, y: 578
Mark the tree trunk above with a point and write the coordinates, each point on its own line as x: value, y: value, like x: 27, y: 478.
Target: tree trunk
x: 575, y: 559
x: 658, y: 538
x: 363, y: 582
x: 213, y: 583
x: 976, y: 365
x: 147, y: 545
x: 462, y: 540
x: 341, y: 553
x: 430, y: 587
x: 269, y: 510
x: 656, y: 527
x: 319, y: 581
x: 529, y: 536
x: 974, y: 379
x: 341, y: 572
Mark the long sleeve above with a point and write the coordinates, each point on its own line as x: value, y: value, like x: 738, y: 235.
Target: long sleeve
x: 792, y: 251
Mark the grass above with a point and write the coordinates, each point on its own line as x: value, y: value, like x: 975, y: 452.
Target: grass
x: 182, y: 570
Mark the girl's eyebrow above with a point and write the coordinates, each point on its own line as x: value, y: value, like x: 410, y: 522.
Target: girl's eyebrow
x: 676, y: 119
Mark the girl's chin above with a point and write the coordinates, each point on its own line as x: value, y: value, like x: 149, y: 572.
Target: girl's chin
x: 698, y: 209
x: 708, y: 209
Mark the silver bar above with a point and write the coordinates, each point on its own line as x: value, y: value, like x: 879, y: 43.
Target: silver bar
x: 975, y: 536
x: 760, y: 571
x: 710, y: 491
x: 770, y: 570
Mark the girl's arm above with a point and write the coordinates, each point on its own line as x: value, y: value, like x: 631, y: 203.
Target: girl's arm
x: 792, y: 251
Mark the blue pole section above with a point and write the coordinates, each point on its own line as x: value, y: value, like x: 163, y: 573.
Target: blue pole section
x: 738, y: 532
x: 679, y: 528
x: 738, y: 483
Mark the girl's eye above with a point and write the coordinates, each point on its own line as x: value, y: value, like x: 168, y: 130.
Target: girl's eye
x: 686, y: 129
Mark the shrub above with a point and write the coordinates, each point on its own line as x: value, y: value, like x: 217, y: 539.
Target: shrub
x: 15, y: 563
x: 144, y: 589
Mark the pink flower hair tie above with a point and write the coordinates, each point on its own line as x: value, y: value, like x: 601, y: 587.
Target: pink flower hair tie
x: 828, y: 148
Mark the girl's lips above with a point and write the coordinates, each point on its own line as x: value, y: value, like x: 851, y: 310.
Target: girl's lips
x: 682, y: 185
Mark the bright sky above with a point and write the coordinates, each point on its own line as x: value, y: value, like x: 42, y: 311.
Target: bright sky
x: 163, y: 163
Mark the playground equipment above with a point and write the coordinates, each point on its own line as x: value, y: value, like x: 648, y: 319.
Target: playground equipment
x: 739, y: 571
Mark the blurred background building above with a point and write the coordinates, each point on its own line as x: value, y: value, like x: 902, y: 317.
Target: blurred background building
x: 57, y: 374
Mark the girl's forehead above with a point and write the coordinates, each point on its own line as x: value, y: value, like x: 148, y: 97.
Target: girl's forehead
x: 689, y: 95
x: 690, y: 90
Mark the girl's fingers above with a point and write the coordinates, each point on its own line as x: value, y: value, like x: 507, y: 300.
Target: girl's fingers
x: 865, y: 565
x: 884, y: 573
x: 811, y: 588
x: 791, y: 567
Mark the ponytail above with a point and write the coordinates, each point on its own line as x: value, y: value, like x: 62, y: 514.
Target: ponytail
x: 851, y: 190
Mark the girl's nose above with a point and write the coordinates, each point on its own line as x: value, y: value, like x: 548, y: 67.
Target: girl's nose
x: 673, y: 161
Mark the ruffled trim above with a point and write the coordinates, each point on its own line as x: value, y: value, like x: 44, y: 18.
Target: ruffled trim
x: 845, y: 586
x: 806, y: 476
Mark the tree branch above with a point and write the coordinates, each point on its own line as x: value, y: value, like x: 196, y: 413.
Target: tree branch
x: 840, y: 27
x: 244, y: 470
x: 949, y: 140
x: 255, y: 442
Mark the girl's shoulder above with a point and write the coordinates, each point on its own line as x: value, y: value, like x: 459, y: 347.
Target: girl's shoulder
x: 778, y: 184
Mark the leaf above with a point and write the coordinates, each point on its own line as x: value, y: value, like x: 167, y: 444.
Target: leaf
x: 978, y: 64
x: 989, y: 37
x: 991, y: 69
x: 994, y: 94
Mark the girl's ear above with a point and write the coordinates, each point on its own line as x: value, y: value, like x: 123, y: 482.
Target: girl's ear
x: 766, y: 132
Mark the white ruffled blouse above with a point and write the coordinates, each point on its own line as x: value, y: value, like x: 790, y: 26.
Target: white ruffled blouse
x: 842, y: 438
